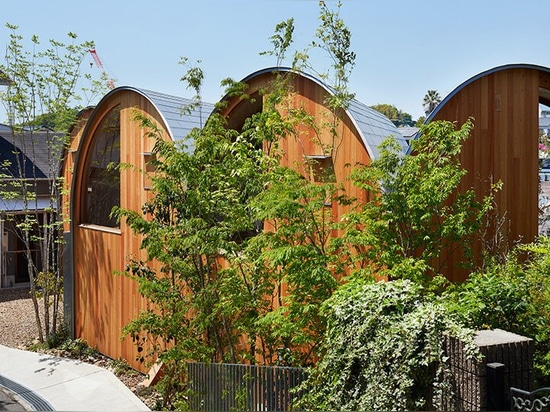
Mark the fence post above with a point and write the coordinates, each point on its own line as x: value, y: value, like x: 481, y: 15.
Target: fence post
x: 496, y: 392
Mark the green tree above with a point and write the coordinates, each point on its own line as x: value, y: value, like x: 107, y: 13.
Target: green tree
x: 218, y: 295
x: 398, y: 117
x: 431, y: 100
x: 43, y: 86
x: 247, y: 251
x: 198, y: 220
x: 295, y: 248
x: 417, y: 212
x: 296, y: 245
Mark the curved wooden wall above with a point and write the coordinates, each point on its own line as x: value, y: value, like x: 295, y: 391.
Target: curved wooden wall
x: 503, y: 147
x: 104, y: 302
x: 348, y: 150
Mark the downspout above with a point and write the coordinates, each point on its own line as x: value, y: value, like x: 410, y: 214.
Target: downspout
x: 3, y: 275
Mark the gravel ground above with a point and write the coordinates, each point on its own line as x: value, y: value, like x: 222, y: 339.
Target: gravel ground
x: 17, y: 322
x: 18, y: 330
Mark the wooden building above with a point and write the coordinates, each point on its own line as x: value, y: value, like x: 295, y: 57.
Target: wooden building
x: 504, y: 103
x: 360, y: 129
x: 98, y: 302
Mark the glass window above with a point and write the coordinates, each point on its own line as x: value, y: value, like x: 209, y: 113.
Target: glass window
x: 103, y: 175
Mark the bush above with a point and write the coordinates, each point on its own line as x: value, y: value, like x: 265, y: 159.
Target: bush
x: 514, y: 296
x: 383, y: 349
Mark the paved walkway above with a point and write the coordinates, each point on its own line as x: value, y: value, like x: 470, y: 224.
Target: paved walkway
x: 8, y: 402
x: 46, y: 382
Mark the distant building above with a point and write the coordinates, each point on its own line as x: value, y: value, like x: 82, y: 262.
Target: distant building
x: 408, y: 132
x: 25, y: 158
x: 544, y: 122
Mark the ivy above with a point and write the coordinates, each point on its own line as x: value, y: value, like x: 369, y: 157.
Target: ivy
x: 383, y: 349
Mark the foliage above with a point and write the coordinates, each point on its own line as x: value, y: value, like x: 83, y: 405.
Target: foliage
x: 431, y: 100
x: 221, y: 287
x: 42, y: 91
x: 334, y: 37
x: 398, y: 117
x: 512, y: 295
x: 384, y: 349
x: 246, y: 254
x: 295, y: 249
x: 416, y: 212
x: 198, y: 218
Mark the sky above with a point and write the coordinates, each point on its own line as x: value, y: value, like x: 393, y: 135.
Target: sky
x: 404, y: 48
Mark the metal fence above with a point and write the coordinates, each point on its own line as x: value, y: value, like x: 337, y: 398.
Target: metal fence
x: 230, y: 387
x: 537, y: 400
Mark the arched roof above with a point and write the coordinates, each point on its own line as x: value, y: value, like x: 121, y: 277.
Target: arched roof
x: 372, y: 125
x: 172, y: 109
x: 544, y: 86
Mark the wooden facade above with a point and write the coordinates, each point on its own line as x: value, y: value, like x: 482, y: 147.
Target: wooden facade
x: 99, y: 303
x: 360, y: 129
x: 503, y: 146
x: 504, y: 104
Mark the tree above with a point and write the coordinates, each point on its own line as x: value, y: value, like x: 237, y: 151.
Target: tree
x: 43, y: 87
x: 431, y: 100
x: 217, y: 294
x: 249, y: 255
x: 417, y: 212
x: 198, y: 219
x: 398, y: 117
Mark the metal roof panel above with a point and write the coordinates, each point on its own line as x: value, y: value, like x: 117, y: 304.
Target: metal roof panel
x: 372, y: 126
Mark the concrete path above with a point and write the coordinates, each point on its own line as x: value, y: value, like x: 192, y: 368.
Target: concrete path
x: 46, y: 382
x: 8, y: 402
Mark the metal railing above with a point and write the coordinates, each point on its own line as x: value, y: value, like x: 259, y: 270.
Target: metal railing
x: 537, y: 400
x: 230, y: 387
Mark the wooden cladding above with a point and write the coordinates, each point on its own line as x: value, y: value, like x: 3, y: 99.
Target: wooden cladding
x: 503, y: 147
x: 104, y: 300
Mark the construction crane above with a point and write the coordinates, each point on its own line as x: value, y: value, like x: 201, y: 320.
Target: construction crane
x: 99, y: 64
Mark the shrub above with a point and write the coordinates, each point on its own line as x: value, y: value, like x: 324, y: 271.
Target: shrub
x: 514, y: 296
x: 383, y: 349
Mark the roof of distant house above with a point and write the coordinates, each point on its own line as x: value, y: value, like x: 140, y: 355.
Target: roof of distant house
x: 29, y: 153
x: 4, y: 79
x: 408, y: 132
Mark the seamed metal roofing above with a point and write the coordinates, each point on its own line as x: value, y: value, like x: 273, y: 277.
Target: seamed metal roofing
x: 372, y: 126
x: 178, y: 120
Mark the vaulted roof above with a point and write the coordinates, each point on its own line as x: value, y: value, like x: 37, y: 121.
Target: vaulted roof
x: 373, y: 126
x: 180, y: 115
x: 544, y: 83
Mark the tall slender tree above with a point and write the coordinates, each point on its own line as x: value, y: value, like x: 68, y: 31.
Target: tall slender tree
x: 42, y: 84
x: 431, y: 100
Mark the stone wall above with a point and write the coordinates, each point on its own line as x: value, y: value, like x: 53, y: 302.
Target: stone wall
x: 483, y: 384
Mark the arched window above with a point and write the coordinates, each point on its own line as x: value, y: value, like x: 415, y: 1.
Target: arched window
x: 102, y: 184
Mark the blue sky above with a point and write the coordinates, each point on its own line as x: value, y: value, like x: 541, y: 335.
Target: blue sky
x: 404, y: 48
